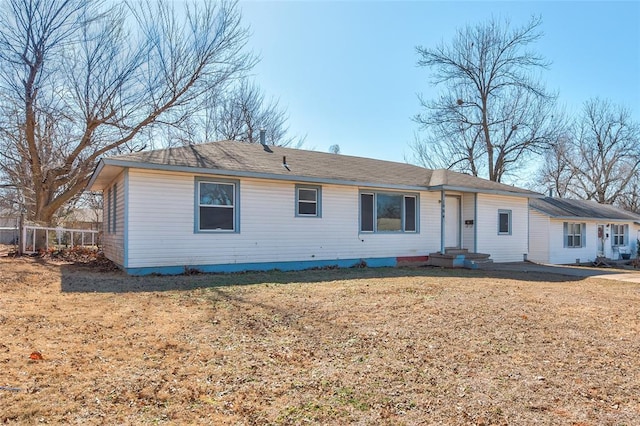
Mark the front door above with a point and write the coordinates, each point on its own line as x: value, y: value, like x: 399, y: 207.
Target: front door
x: 451, y: 221
x: 600, y: 242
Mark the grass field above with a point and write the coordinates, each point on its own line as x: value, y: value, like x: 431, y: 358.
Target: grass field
x: 358, y: 346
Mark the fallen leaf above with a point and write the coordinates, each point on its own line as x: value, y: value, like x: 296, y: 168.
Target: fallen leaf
x: 36, y: 355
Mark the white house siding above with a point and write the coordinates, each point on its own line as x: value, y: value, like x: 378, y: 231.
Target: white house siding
x: 539, y: 232
x: 559, y: 254
x: 468, y: 213
x: 502, y: 248
x: 113, y: 242
x: 161, y: 225
x: 634, y: 238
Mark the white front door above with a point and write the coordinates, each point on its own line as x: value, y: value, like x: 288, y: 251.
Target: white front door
x: 451, y: 221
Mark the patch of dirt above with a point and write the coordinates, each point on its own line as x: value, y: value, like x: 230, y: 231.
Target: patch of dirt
x: 366, y: 346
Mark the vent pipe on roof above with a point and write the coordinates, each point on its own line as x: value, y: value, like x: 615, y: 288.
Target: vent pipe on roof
x: 550, y: 192
x: 263, y: 136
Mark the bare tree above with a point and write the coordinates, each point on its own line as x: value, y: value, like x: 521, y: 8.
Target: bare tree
x: 630, y: 199
x: 556, y: 174
x: 604, y: 154
x: 84, y: 78
x: 493, y: 113
x: 239, y: 114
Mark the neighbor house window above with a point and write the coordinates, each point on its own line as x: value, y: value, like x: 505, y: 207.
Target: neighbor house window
x: 388, y: 212
x: 217, y: 205
x: 308, y: 201
x: 574, y: 234
x: 504, y: 222
x: 619, y: 232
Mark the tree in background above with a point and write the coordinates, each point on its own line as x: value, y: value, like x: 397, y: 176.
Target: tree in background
x: 556, y: 174
x: 84, y: 78
x: 600, y: 158
x: 238, y: 114
x: 493, y: 112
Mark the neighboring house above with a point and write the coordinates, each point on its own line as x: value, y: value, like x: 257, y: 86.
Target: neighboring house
x: 566, y: 231
x: 9, y: 228
x: 233, y: 206
x: 86, y: 218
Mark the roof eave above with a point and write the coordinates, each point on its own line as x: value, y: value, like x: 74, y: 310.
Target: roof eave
x: 257, y: 175
x: 484, y: 191
x: 594, y: 218
x: 94, y: 175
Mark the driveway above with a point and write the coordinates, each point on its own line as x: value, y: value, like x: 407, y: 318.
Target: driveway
x: 573, y: 271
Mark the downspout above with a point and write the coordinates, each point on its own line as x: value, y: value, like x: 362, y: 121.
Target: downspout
x: 442, y: 213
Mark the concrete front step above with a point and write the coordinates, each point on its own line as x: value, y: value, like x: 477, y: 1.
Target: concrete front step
x: 458, y: 260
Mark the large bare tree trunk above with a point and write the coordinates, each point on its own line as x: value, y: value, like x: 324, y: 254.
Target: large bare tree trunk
x: 82, y: 79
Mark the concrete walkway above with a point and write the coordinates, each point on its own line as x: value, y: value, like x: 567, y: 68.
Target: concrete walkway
x: 573, y: 271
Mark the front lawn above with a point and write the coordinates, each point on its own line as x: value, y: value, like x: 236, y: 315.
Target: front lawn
x: 365, y: 346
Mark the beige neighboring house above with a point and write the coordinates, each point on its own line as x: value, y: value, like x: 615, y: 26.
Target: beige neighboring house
x: 564, y: 231
x: 233, y: 206
x: 83, y: 219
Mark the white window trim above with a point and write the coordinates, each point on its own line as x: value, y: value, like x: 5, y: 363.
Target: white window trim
x: 566, y: 234
x: 623, y: 235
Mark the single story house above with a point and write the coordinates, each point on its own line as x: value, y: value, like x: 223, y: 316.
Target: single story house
x: 565, y: 231
x: 232, y: 206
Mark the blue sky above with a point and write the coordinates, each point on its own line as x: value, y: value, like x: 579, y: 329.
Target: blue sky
x: 347, y: 74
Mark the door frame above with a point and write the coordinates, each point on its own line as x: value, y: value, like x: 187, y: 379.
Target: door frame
x: 458, y: 222
x: 600, y: 239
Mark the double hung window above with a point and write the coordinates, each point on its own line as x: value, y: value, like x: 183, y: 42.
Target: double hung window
x: 217, y: 208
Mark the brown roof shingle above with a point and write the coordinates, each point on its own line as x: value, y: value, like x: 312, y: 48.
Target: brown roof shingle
x: 581, y: 209
x: 239, y: 158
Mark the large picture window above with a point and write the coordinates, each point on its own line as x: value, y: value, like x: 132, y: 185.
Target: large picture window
x: 388, y: 212
x: 574, y: 234
x: 216, y: 205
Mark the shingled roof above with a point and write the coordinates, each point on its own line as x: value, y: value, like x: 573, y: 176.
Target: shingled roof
x: 233, y: 158
x: 580, y: 209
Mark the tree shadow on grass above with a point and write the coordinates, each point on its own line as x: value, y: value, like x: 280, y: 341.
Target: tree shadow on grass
x: 80, y: 277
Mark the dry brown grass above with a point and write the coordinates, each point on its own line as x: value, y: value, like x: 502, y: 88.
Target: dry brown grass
x: 366, y: 346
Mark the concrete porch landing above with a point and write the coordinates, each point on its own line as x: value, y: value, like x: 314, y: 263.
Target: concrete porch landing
x: 458, y: 258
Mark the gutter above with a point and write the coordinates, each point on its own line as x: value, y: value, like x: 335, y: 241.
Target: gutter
x: 289, y: 178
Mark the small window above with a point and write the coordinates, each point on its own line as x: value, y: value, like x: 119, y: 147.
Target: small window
x: 115, y: 208
x: 574, y: 234
x: 216, y: 203
x: 308, y: 201
x: 109, y: 210
x: 504, y: 222
x: 619, y: 233
x: 388, y: 212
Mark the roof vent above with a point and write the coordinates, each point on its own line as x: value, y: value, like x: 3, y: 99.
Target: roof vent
x: 284, y: 163
x: 263, y: 137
